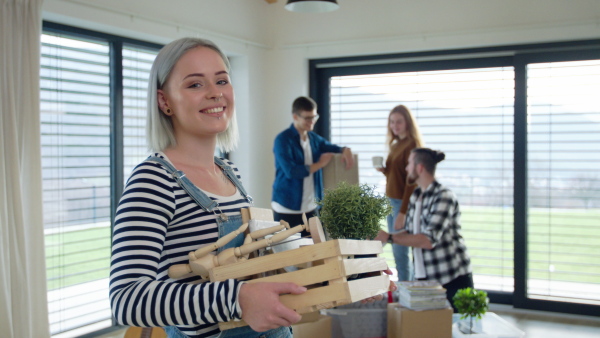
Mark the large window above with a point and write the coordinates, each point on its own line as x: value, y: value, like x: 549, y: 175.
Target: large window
x: 563, y: 114
x: 76, y: 178
x: 80, y: 87
x: 468, y: 114
x: 519, y: 126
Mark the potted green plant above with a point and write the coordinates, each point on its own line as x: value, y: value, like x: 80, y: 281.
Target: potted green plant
x: 351, y: 211
x: 471, y: 304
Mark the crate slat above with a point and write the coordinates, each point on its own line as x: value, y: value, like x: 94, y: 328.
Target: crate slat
x: 361, y: 265
x: 276, y: 261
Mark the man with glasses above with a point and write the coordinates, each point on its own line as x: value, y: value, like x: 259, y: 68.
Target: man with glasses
x: 300, y: 154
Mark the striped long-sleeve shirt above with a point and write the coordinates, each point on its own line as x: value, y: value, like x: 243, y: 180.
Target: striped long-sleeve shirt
x: 157, y: 224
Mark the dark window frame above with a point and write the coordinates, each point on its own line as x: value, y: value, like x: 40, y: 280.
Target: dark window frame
x: 517, y: 56
x: 116, y: 95
x: 116, y: 44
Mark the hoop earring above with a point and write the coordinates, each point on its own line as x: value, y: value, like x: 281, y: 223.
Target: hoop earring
x: 168, y: 112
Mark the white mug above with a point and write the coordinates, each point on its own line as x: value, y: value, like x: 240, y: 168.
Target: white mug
x: 377, y: 161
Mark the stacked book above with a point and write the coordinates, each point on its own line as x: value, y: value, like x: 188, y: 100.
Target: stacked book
x: 422, y: 295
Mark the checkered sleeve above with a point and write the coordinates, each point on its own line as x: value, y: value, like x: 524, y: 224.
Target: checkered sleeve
x: 440, y: 215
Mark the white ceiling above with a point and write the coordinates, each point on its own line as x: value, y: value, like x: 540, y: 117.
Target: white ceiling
x: 259, y: 22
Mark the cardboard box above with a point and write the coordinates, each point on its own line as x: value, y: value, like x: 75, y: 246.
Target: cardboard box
x: 335, y: 172
x: 406, y: 323
x: 309, y: 317
x: 320, y: 328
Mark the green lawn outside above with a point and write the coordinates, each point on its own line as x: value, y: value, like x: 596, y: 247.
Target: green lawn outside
x: 574, y: 253
x: 84, y: 255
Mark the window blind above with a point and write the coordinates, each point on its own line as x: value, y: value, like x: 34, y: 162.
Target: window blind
x: 76, y: 178
x: 564, y: 181
x: 136, y: 71
x: 467, y: 114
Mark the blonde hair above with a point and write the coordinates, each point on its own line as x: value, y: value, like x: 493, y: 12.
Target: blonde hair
x: 159, y: 128
x: 412, y: 129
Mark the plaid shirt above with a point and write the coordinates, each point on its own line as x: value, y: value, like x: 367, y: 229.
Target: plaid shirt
x: 440, y: 222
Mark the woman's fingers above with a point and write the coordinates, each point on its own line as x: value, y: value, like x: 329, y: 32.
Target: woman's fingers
x: 261, y: 307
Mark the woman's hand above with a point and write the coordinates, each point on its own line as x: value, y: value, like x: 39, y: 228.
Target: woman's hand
x: 261, y: 308
x: 381, y: 169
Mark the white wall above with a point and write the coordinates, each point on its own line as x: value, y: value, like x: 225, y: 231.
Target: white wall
x: 238, y: 27
x: 271, y: 47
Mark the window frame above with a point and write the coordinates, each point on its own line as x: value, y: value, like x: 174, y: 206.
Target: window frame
x: 116, y: 45
x: 517, y: 56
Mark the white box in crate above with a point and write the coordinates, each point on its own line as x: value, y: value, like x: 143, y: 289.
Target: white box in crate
x: 358, y: 323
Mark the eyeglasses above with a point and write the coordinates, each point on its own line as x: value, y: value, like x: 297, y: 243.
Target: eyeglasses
x: 310, y: 118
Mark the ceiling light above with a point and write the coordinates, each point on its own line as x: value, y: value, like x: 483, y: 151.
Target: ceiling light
x: 311, y: 6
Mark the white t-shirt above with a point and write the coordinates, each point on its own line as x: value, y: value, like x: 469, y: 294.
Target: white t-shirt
x: 418, y: 252
x: 308, y: 186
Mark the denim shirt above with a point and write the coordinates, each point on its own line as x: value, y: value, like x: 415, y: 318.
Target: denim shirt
x: 290, y: 169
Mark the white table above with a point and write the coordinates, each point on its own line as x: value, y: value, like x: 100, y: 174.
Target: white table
x: 490, y: 326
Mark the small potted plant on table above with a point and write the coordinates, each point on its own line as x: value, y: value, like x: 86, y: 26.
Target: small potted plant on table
x: 471, y: 304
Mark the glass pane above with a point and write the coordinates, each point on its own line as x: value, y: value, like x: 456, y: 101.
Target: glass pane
x: 468, y: 114
x: 76, y: 179
x: 136, y: 71
x: 563, y: 180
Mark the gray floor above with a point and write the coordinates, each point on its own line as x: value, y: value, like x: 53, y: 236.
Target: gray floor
x: 539, y: 324
x: 535, y: 324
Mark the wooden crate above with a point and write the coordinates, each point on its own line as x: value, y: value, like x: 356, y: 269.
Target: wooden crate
x: 330, y: 263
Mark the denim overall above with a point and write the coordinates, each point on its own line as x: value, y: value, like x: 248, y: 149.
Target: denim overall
x: 226, y: 224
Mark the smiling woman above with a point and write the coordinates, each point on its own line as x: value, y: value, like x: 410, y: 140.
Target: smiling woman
x: 189, y: 80
x: 198, y: 96
x: 191, y: 112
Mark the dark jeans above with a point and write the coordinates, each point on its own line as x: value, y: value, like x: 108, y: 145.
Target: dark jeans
x: 295, y: 219
x: 460, y: 282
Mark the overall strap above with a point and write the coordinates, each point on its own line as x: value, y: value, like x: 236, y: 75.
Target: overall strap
x: 233, y: 178
x: 205, y: 202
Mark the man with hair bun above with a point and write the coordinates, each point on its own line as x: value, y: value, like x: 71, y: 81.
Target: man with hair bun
x: 433, y: 227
